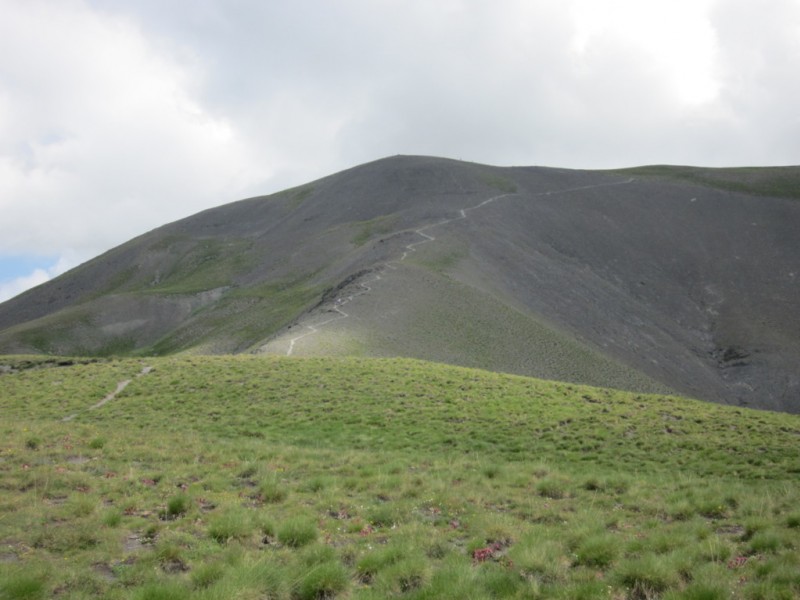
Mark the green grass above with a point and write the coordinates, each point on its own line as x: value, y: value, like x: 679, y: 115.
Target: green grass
x: 221, y: 477
x: 297, y: 532
x: 499, y: 183
x: 368, y: 229
x: 297, y: 195
x: 760, y: 181
x: 200, y: 266
x: 241, y: 316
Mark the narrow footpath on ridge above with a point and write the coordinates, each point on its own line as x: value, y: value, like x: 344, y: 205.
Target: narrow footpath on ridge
x: 462, y: 214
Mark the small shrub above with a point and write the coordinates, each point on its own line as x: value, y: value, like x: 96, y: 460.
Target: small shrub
x: 681, y: 511
x: 235, y: 523
x: 381, y: 516
x: 457, y: 579
x: 22, y: 586
x: 586, y: 590
x: 261, y: 579
x: 491, y: 471
x: 712, y: 509
x: 700, y: 591
x: 97, y: 443
x: 554, y: 488
x: 539, y: 560
x: 593, y: 484
x: 317, y: 554
x: 325, y: 580
x: 315, y: 484
x: 177, y: 506
x: 403, y: 576
x: 764, y: 542
x: 33, y: 443
x: 500, y: 582
x: 151, y: 532
x: 619, y: 484
x: 266, y: 525
x: 369, y: 564
x: 297, y: 532
x: 81, y: 506
x: 753, y: 526
x: 112, y: 518
x: 162, y: 591
x: 597, y: 551
x: 205, y: 575
x: 437, y: 550
x: 768, y: 590
x: 248, y: 471
x: 646, y: 576
x: 715, y: 549
x: 168, y: 552
x: 272, y: 492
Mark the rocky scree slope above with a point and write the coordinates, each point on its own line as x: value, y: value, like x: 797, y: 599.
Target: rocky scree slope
x: 657, y: 278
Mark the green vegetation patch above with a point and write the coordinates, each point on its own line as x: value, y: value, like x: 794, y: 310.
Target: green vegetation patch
x: 242, y: 317
x: 442, y: 257
x: 367, y: 229
x: 295, y: 196
x: 203, y: 265
x: 250, y: 477
x: 498, y: 182
x: 781, y: 182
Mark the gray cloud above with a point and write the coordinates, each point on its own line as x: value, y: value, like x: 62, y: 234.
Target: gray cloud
x: 120, y: 116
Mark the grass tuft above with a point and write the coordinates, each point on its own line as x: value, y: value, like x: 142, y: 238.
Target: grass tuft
x: 177, y: 506
x: 325, y: 580
x: 23, y: 586
x: 296, y: 532
x: 233, y: 523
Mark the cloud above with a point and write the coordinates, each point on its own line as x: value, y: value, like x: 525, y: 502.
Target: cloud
x: 12, y: 286
x: 119, y: 116
x: 9, y: 289
x: 759, y: 58
x: 103, y: 138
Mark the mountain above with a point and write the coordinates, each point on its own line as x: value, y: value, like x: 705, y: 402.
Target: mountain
x: 651, y: 279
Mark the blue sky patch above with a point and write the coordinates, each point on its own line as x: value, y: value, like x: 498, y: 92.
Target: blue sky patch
x: 12, y: 267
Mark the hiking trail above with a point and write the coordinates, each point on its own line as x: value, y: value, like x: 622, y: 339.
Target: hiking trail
x: 409, y: 248
x: 121, y: 385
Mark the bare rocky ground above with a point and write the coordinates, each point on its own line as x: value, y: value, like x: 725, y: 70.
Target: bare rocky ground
x: 663, y: 279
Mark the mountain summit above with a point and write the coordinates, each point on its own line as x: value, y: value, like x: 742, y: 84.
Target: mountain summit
x: 652, y: 279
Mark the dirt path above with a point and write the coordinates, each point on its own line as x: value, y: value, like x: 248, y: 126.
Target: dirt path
x: 110, y: 396
x: 462, y: 214
x: 337, y: 307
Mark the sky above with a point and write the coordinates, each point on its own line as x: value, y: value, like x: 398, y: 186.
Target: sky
x: 118, y: 116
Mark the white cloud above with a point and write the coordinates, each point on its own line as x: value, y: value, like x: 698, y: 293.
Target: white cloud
x: 676, y: 38
x: 118, y: 116
x: 9, y: 289
x: 16, y: 285
x: 103, y: 137
x: 759, y: 58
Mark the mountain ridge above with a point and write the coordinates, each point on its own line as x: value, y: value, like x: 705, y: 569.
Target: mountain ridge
x: 643, y: 278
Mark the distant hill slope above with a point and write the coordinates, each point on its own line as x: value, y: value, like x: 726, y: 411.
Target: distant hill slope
x: 652, y: 279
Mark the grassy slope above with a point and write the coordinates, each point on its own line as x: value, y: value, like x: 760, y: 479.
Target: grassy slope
x: 454, y: 323
x: 238, y: 276
x: 220, y: 477
x: 780, y: 182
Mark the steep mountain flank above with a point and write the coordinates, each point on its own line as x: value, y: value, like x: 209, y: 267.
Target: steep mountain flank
x: 652, y: 279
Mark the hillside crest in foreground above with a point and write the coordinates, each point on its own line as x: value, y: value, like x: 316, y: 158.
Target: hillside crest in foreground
x: 292, y: 478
